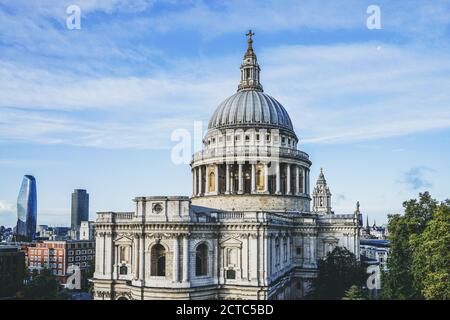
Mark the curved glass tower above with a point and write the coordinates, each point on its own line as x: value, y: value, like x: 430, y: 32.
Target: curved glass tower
x: 27, y: 209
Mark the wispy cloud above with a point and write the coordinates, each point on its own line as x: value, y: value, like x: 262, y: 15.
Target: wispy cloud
x: 90, y: 89
x: 6, y: 207
x: 334, y: 94
x: 417, y: 178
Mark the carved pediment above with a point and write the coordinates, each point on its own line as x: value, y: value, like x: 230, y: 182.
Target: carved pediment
x: 330, y: 239
x: 123, y: 240
x: 231, y: 242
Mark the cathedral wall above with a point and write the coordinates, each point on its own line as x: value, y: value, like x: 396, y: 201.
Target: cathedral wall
x: 253, y: 203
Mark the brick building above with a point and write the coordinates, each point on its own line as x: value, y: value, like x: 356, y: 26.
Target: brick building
x: 59, y: 255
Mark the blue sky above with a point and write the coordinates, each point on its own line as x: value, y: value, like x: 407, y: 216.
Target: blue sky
x: 95, y: 108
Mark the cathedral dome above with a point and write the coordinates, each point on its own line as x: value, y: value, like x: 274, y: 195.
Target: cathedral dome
x: 250, y: 108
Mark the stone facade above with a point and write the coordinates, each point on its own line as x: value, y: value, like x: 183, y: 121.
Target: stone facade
x: 247, y: 232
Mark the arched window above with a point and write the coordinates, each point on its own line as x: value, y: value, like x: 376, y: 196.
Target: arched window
x: 212, y: 181
x: 158, y: 261
x: 201, y: 260
x: 260, y: 179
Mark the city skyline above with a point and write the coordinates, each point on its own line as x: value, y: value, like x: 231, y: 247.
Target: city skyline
x: 369, y: 105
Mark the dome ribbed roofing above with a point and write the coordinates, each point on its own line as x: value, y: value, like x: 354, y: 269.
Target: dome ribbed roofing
x: 250, y: 108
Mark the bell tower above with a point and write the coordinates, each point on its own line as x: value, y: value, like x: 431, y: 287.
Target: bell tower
x: 322, y: 196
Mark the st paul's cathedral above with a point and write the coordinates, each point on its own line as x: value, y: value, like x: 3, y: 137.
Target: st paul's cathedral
x: 249, y: 229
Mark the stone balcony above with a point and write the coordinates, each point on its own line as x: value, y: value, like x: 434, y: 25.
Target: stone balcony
x: 207, y: 217
x: 112, y: 217
x: 249, y: 151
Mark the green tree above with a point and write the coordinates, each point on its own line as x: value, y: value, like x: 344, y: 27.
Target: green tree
x: 336, y: 274
x: 354, y: 293
x: 43, y: 286
x: 399, y: 282
x: 87, y: 274
x: 431, y: 256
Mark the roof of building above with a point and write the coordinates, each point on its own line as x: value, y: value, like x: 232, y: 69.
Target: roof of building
x: 375, y: 242
x: 250, y: 106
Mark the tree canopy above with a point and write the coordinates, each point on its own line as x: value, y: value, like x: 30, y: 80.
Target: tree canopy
x: 418, y: 264
x: 43, y: 286
x: 339, y: 271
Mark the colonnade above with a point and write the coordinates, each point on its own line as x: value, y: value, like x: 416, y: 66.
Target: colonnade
x: 279, y: 178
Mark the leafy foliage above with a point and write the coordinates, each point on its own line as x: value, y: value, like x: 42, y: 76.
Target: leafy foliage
x: 431, y: 256
x: 43, y: 286
x: 418, y: 262
x: 337, y: 273
x: 354, y: 293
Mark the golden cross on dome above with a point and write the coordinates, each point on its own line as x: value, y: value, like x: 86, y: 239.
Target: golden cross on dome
x: 250, y: 34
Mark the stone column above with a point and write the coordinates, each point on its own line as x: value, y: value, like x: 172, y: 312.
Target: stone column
x: 297, y: 180
x: 253, y: 188
x: 241, y: 179
x: 288, y: 253
x: 227, y: 179
x: 216, y: 177
x: 199, y: 180
x: 185, y: 258
x: 288, y: 179
x: 136, y: 258
x: 141, y: 259
x: 176, y: 259
x: 245, y: 259
x: 99, y: 256
x: 109, y: 255
x: 313, y: 250
x: 266, y: 178
x: 277, y: 174
x: 194, y: 176
x: 304, y: 180
x: 307, y: 181
x: 266, y: 273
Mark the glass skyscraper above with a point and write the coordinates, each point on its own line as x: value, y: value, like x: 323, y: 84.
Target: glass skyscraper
x: 27, y: 209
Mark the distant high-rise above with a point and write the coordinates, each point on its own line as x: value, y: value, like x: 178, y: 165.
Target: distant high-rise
x: 80, y: 208
x: 27, y: 209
